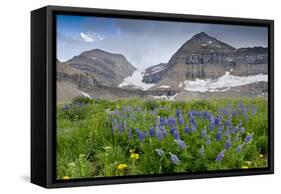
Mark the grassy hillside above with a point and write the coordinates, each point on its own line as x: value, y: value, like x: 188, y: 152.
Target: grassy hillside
x: 97, y: 138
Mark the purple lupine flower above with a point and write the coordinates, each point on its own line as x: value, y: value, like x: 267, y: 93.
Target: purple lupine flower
x: 124, y: 109
x: 165, y: 121
x: 202, y: 151
x: 178, y: 112
x: 140, y: 134
x: 193, y: 128
x: 186, y: 129
x: 172, y: 121
x: 181, y: 120
x: 248, y: 138
x: 164, y: 132
x: 207, y: 115
x: 227, y: 132
x: 203, y: 132
x: 218, y: 120
x: 181, y: 144
x: 244, y: 111
x: 238, y: 149
x: 160, y: 152
x: 218, y: 135
x: 228, y: 143
x: 235, y: 129
x: 151, y: 131
x: 65, y: 108
x: 220, y: 156
x: 175, y: 160
x: 212, y: 124
x: 234, y: 113
x: 173, y: 129
x: 159, y: 134
x: 227, y: 123
x: 192, y: 122
x: 162, y: 120
x: 176, y: 135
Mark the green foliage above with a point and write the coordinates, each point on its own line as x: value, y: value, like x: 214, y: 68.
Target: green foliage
x: 82, y: 100
x: 97, y: 138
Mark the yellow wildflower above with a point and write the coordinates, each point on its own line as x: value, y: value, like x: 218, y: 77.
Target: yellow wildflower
x: 122, y: 166
x: 261, y: 155
x: 135, y: 156
x: 245, y: 167
x: 65, y: 178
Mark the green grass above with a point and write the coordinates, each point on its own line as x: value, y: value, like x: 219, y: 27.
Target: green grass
x: 97, y: 138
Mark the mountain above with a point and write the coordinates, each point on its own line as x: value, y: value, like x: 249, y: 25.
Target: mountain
x: 205, y: 57
x: 203, y: 66
x: 107, y: 68
x: 72, y: 82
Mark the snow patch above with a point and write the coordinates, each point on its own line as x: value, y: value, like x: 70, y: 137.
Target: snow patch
x: 223, y: 83
x: 85, y: 94
x: 210, y: 42
x: 164, y: 97
x: 164, y: 86
x: 136, y: 80
x: 180, y: 85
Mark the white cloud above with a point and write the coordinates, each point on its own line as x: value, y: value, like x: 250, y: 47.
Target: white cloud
x: 100, y: 37
x: 91, y: 37
x: 86, y: 38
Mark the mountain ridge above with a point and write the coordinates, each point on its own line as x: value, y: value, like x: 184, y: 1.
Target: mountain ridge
x: 108, y: 68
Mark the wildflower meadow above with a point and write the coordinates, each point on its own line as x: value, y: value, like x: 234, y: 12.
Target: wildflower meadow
x: 102, y: 138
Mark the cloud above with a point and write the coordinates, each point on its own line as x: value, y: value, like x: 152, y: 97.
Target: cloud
x: 100, y: 37
x: 86, y: 38
x: 91, y: 37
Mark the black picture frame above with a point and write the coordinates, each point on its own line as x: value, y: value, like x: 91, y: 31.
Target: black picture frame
x: 43, y: 95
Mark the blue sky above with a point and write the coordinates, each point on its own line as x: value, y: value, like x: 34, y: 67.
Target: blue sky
x: 143, y: 42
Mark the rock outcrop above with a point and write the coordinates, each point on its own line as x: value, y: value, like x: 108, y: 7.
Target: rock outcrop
x: 154, y: 73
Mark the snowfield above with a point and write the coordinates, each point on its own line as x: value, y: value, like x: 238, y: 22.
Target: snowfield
x: 136, y: 80
x: 223, y: 83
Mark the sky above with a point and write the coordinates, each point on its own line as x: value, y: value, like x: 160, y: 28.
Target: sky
x: 144, y: 42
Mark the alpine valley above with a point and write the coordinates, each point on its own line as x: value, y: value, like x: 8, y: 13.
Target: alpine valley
x: 203, y: 67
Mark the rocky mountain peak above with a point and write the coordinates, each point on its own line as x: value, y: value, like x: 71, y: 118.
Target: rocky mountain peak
x: 202, y: 35
x: 203, y: 42
x: 108, y: 68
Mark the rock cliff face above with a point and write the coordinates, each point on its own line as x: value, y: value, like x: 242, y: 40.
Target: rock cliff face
x: 154, y: 73
x: 107, y: 68
x: 66, y: 73
x: 204, y: 56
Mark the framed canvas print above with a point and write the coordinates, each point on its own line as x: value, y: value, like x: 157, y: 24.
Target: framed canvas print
x: 125, y: 96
